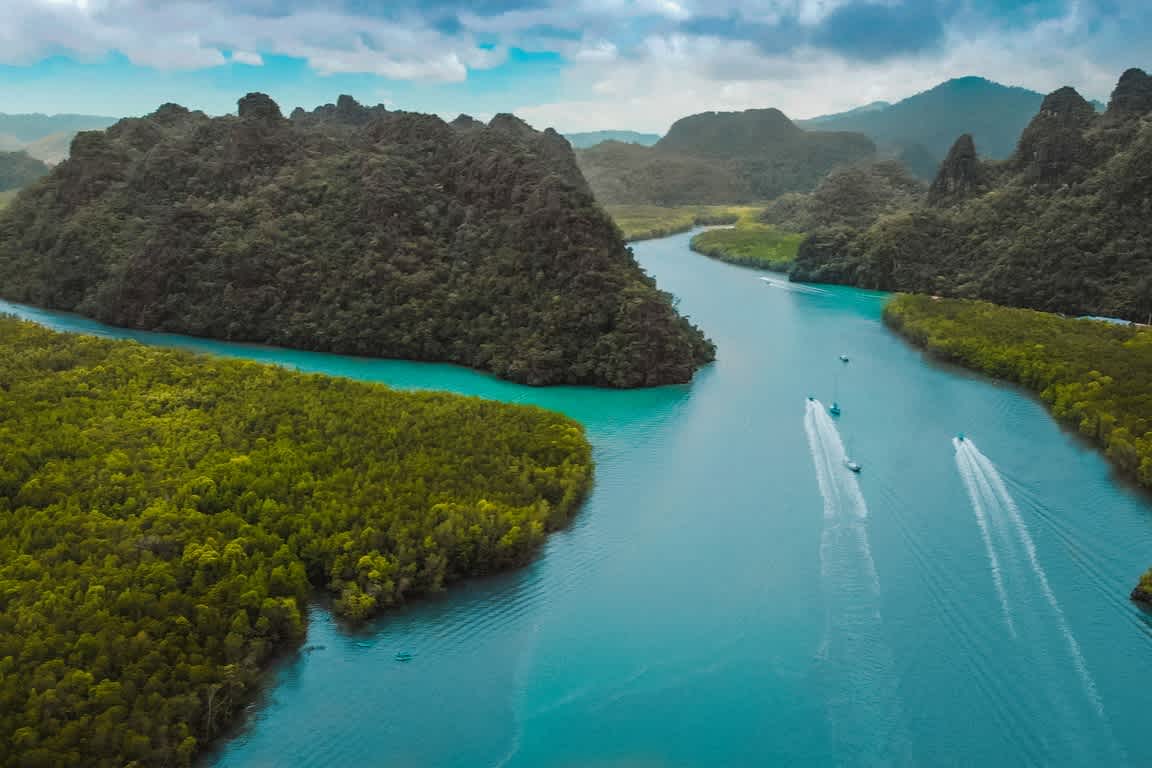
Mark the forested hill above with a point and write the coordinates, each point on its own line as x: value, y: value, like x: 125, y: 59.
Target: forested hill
x: 1063, y: 225
x: 18, y: 169
x: 353, y: 230
x: 721, y: 157
x: 994, y: 114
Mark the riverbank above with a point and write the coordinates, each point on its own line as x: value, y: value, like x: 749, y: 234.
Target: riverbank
x: 1092, y: 375
x: 164, y: 510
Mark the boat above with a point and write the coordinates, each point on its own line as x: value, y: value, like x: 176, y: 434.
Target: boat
x: 843, y: 358
x: 811, y: 399
x: 852, y: 466
x: 403, y: 656
x: 835, y: 409
x: 960, y: 437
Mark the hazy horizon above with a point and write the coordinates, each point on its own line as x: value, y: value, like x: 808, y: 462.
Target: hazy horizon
x: 591, y: 65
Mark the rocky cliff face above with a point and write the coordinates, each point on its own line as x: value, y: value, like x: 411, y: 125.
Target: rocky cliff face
x: 1053, y: 148
x: 961, y: 175
x: 1132, y: 95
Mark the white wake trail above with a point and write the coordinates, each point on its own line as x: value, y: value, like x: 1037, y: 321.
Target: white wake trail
x: 863, y: 699
x: 999, y: 502
x: 968, y: 475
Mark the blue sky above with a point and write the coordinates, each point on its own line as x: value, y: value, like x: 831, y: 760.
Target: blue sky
x: 573, y: 64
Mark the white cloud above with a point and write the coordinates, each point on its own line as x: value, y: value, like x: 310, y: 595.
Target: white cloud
x: 675, y: 75
x: 191, y: 34
x: 248, y: 57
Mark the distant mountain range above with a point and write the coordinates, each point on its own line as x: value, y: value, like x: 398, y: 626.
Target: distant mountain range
x: 992, y: 113
x: 1061, y: 225
x: 46, y: 137
x: 720, y: 157
x: 592, y: 138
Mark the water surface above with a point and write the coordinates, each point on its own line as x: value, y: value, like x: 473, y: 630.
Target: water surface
x: 732, y: 595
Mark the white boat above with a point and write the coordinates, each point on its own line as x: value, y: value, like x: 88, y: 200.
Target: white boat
x: 852, y: 465
x: 843, y: 358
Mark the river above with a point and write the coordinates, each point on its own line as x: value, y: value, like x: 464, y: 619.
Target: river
x: 732, y: 595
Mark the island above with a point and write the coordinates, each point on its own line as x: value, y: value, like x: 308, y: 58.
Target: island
x: 348, y: 229
x: 165, y: 518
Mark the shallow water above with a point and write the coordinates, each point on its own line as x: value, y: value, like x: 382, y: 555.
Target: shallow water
x: 731, y: 595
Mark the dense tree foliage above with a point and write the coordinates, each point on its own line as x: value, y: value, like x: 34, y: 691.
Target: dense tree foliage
x: 19, y: 169
x: 1064, y: 225
x: 750, y: 244
x: 353, y: 230
x: 1142, y: 593
x: 164, y: 517
x: 853, y: 196
x: 631, y: 174
x: 1092, y: 374
x: 720, y: 157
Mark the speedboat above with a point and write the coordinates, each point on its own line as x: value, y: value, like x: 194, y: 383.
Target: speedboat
x: 835, y: 409
x: 403, y: 656
x: 843, y: 358
x: 811, y: 399
x: 960, y: 437
x: 852, y: 466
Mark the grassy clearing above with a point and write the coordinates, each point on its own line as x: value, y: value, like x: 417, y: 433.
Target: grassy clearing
x: 6, y: 197
x: 644, y: 222
x: 750, y: 244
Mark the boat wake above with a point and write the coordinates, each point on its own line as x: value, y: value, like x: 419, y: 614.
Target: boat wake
x: 1045, y: 642
x: 864, y: 702
x: 795, y: 287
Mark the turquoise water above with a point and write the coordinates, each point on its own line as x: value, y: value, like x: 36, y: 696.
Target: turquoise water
x: 731, y: 595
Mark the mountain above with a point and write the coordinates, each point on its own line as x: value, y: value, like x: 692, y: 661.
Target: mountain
x: 52, y: 148
x: 626, y: 174
x: 353, y: 230
x: 17, y: 169
x: 1063, y: 225
x: 720, y: 157
x: 875, y: 106
x: 853, y: 196
x: 46, y: 137
x: 993, y: 114
x: 30, y: 127
x: 592, y: 138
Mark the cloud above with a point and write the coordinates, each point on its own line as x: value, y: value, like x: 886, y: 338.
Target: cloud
x: 874, y: 31
x: 247, y: 57
x: 191, y: 34
x: 673, y: 75
x: 625, y: 63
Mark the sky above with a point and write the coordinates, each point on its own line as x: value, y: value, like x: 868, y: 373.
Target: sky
x: 574, y: 65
